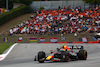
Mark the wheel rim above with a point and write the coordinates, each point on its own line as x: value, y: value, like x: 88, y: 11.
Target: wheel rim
x: 85, y: 56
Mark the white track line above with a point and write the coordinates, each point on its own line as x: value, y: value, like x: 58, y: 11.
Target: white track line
x: 3, y: 56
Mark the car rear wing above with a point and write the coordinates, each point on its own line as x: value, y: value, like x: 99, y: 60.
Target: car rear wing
x: 75, y: 47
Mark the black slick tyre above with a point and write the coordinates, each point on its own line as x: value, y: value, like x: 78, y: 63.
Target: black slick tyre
x: 41, y: 55
x: 82, y: 55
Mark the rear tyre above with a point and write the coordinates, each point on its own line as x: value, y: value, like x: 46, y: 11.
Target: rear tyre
x: 82, y: 55
x: 41, y: 55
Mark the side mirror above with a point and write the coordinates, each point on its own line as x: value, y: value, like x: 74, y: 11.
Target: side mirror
x: 66, y: 49
x: 82, y: 47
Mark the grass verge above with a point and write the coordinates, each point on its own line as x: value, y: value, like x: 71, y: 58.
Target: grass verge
x: 4, y: 46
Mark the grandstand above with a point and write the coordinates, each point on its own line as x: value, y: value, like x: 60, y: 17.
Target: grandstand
x: 67, y: 21
x: 61, y: 21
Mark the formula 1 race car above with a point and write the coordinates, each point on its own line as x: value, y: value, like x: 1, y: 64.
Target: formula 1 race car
x: 62, y: 56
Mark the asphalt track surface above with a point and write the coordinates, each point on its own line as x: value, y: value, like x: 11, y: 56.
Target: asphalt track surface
x: 23, y: 54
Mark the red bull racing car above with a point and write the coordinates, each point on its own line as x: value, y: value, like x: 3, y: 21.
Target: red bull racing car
x: 62, y: 55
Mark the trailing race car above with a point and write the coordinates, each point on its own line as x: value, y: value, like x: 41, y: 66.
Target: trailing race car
x: 62, y: 55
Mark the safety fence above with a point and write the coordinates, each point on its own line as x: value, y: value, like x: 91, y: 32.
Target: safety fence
x: 59, y: 38
x: 55, y: 4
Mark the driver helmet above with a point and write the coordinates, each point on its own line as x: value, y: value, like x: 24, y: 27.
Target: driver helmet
x: 63, y: 45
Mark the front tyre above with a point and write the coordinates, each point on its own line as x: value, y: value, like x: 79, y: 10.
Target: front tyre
x: 41, y: 55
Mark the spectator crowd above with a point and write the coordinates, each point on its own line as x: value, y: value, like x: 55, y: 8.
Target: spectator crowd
x: 63, y: 20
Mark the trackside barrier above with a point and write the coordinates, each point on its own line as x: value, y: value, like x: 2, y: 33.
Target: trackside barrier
x: 62, y: 42
x: 93, y: 42
x: 89, y: 42
x: 78, y: 42
x: 46, y: 42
